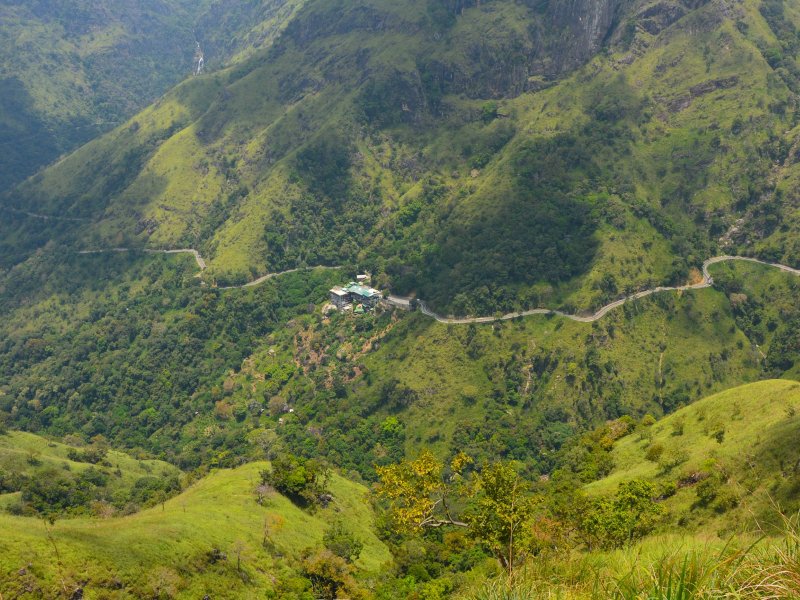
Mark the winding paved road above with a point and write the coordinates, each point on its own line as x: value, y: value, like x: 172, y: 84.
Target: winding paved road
x: 708, y: 281
x: 406, y: 303
x: 201, y: 263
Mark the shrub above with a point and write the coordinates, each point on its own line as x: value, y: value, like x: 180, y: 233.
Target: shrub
x: 648, y: 420
x: 342, y: 542
x: 672, y: 458
x: 331, y: 576
x: 303, y: 481
x: 654, y: 452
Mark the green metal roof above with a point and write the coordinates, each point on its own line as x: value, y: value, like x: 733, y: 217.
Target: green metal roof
x: 360, y: 290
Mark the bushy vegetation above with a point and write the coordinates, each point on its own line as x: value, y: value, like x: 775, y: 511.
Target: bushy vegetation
x: 214, y: 377
x: 213, y: 538
x: 145, y: 358
x: 485, y: 157
x: 663, y: 567
x: 301, y: 480
x: 54, y: 480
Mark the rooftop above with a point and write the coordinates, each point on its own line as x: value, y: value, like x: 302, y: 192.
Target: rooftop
x: 360, y: 290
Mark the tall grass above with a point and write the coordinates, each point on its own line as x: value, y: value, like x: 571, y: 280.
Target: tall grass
x: 663, y: 569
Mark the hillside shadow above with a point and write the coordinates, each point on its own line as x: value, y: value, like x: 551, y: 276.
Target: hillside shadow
x: 535, y: 225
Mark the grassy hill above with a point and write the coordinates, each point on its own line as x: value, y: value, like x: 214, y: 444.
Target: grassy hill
x: 731, y: 458
x: 31, y: 456
x: 485, y: 156
x: 729, y: 522
x: 169, y: 549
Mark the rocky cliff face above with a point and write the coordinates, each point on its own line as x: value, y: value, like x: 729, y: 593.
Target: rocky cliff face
x: 577, y: 30
x: 560, y: 36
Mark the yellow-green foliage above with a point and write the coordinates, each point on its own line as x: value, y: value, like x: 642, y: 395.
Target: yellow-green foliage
x: 744, y: 437
x: 127, y: 557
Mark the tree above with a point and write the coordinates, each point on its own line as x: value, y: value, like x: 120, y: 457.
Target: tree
x: 266, y: 440
x: 239, y: 548
x: 331, y: 576
x: 303, y: 481
x: 342, y: 542
x: 418, y: 493
x: 501, y: 515
x: 629, y: 515
x: 423, y: 495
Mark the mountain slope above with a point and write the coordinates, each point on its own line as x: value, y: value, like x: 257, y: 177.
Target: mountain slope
x: 169, y: 550
x: 456, y: 152
x: 730, y: 459
x: 131, y: 347
x: 70, y: 71
x: 94, y: 473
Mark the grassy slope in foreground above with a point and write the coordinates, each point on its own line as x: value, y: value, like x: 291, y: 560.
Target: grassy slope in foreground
x: 712, y: 557
x: 169, y: 546
x: 756, y: 459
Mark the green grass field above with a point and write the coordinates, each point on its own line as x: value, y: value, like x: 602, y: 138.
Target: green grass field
x: 169, y: 546
x: 745, y: 437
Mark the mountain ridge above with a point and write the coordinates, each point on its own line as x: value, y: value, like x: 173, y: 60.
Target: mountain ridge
x: 237, y: 171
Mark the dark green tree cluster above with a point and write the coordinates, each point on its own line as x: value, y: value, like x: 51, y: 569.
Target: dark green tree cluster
x: 140, y: 367
x: 304, y: 481
x: 56, y: 492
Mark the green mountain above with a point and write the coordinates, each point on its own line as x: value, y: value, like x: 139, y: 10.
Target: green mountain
x: 223, y: 536
x: 70, y: 71
x: 729, y: 459
x: 484, y: 156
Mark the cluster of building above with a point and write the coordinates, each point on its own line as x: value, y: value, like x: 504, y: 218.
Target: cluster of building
x: 356, y: 296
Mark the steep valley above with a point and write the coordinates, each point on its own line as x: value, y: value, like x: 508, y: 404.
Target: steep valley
x: 183, y: 412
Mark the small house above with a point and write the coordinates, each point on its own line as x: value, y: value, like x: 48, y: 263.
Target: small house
x: 340, y: 298
x: 355, y: 294
x: 366, y: 296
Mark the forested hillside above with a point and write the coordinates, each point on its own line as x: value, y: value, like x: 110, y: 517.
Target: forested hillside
x: 168, y: 432
x: 73, y: 69
x: 134, y: 349
x: 483, y: 156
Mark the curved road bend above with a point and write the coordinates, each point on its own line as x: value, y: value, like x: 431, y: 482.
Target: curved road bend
x: 405, y: 302
x: 708, y: 281
x: 201, y: 263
